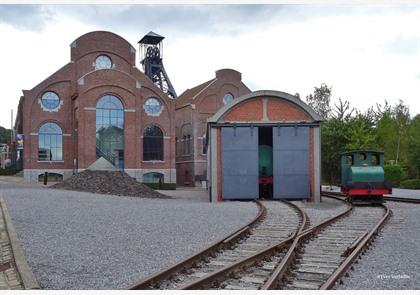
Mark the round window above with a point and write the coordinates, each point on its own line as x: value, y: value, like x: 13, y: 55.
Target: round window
x: 50, y: 100
x: 227, y: 98
x: 103, y: 62
x: 152, y: 106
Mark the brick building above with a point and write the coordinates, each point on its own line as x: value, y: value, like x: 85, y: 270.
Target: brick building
x: 98, y: 105
x: 193, y: 108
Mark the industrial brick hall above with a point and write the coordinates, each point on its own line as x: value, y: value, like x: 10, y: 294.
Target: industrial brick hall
x: 101, y: 108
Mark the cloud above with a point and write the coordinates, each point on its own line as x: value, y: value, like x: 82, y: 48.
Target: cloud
x: 25, y: 17
x: 404, y: 45
x: 185, y: 19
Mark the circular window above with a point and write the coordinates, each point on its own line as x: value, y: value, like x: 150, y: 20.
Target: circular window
x: 227, y: 98
x: 152, y: 106
x: 103, y: 62
x: 50, y: 100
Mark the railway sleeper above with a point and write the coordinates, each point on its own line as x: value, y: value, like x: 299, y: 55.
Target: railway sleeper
x: 314, y: 269
x: 303, y: 285
x: 309, y: 276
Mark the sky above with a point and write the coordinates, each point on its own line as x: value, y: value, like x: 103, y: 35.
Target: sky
x: 366, y: 53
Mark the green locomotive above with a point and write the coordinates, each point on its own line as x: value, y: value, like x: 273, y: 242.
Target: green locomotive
x: 265, y: 170
x: 363, y: 177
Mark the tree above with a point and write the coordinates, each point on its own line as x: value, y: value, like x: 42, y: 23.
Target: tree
x: 333, y: 143
x: 4, y: 135
x: 401, y: 114
x: 320, y: 100
x: 360, y: 134
x: 380, y: 111
x: 414, y: 147
x: 342, y: 110
x: 386, y: 136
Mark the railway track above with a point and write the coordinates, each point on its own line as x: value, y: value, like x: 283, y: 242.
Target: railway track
x: 386, y: 198
x: 400, y: 199
x: 319, y: 255
x: 278, y: 221
x: 311, y: 258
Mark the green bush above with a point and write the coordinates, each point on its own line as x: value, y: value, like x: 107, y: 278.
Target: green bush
x: 410, y: 184
x: 162, y: 186
x: 393, y: 174
x: 8, y: 171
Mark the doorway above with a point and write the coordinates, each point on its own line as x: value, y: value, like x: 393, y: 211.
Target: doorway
x: 265, y: 162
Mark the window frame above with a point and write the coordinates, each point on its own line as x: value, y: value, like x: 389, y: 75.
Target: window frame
x: 46, y: 107
x: 96, y: 62
x: 147, y: 109
x: 224, y: 97
x: 151, y: 153
x: 58, y: 139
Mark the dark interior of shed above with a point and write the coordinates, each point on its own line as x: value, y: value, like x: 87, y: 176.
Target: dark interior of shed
x: 265, y: 162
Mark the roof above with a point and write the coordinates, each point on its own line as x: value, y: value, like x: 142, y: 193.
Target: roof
x: 190, y: 93
x: 360, y: 151
x: 151, y: 38
x: 272, y: 93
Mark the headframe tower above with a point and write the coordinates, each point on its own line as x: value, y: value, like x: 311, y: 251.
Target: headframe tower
x: 151, y: 50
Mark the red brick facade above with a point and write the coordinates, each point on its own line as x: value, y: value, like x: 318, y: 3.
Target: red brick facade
x: 79, y: 86
x: 193, y: 108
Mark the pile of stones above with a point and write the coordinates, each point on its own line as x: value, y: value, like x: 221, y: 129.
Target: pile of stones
x: 108, y: 182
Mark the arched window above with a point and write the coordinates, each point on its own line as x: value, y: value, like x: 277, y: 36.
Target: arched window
x: 152, y: 143
x: 50, y: 142
x: 110, y: 130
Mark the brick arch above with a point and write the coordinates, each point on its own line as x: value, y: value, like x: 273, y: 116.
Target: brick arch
x: 155, y: 124
x: 251, y: 110
x: 60, y: 124
x: 93, y: 94
x: 254, y: 106
x: 102, y: 41
x: 110, y: 93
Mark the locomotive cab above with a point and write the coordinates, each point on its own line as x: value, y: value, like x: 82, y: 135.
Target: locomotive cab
x: 363, y: 176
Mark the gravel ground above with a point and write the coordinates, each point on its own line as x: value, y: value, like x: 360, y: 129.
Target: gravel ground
x: 318, y: 212
x: 406, y: 193
x: 393, y: 261
x: 78, y: 240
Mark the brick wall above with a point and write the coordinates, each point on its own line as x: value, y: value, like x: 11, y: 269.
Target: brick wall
x: 191, y: 119
x: 80, y: 86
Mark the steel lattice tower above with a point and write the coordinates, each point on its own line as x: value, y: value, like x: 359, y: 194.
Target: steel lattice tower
x: 151, y: 59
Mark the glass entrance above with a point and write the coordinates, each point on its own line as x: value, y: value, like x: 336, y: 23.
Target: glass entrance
x: 110, y: 130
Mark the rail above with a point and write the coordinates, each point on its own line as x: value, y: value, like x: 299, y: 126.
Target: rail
x: 329, y: 284
x: 229, y: 270
x: 190, y: 261
x: 287, y: 261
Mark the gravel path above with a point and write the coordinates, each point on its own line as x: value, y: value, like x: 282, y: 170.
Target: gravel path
x: 77, y: 240
x: 393, y: 261
x: 318, y: 212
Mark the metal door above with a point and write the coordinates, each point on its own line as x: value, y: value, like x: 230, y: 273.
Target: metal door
x: 291, y: 167
x: 239, y: 163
